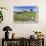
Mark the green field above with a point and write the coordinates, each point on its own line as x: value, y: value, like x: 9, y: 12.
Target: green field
x: 25, y: 16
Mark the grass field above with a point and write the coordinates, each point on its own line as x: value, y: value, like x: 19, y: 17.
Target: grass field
x: 25, y: 16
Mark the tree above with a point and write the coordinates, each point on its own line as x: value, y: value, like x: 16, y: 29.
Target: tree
x: 31, y: 10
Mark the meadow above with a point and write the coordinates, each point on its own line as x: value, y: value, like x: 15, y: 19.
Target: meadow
x: 25, y: 16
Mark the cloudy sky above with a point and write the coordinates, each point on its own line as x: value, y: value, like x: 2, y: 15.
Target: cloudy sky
x: 25, y: 8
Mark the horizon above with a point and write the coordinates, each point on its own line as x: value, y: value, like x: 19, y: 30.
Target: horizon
x: 25, y: 8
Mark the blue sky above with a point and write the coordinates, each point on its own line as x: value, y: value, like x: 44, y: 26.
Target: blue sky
x: 25, y: 8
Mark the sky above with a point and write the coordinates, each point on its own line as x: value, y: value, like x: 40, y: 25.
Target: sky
x: 25, y: 8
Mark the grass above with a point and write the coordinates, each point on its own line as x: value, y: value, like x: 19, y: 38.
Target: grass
x: 25, y: 16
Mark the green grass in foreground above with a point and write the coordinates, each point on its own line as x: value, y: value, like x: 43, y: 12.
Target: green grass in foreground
x: 25, y: 16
